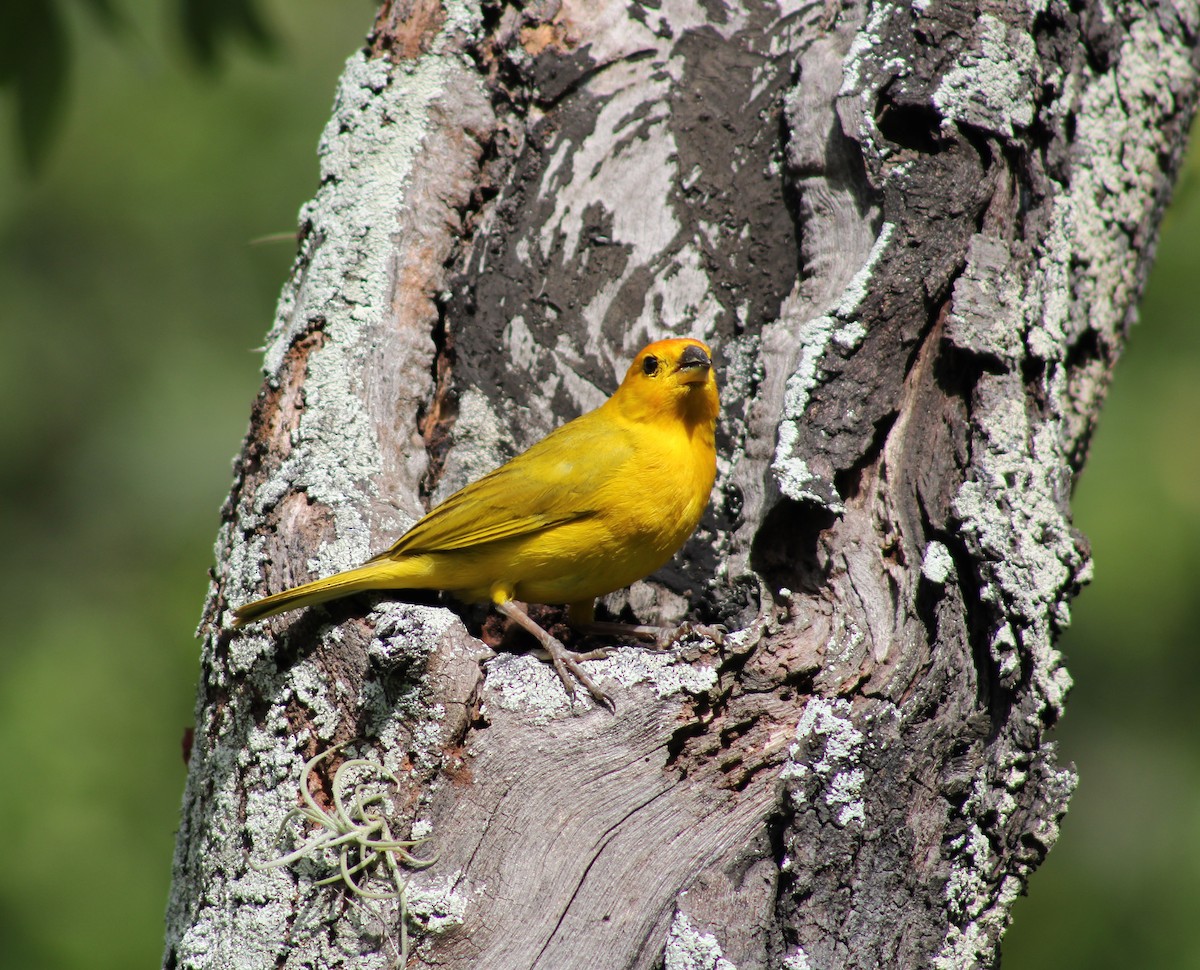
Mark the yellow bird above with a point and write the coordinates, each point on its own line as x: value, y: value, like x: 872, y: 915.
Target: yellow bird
x: 595, y: 505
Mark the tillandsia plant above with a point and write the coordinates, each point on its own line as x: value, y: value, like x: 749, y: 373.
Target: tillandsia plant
x: 357, y: 830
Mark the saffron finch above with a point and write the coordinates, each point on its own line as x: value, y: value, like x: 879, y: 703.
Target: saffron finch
x: 602, y: 501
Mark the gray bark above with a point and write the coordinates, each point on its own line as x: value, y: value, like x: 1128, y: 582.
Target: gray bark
x: 915, y: 235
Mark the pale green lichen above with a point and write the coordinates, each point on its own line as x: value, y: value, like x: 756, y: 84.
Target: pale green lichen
x: 663, y: 670
x: 797, y: 959
x: 937, y: 565
x: 1012, y: 513
x: 437, y: 903
x: 688, y: 948
x: 993, y: 84
x: 856, y: 95
x: 827, y: 727
x: 985, y: 317
x: 527, y: 684
x: 1089, y: 273
x: 791, y: 471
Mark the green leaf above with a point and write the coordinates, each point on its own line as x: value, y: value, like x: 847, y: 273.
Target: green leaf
x: 208, y: 25
x: 34, y: 63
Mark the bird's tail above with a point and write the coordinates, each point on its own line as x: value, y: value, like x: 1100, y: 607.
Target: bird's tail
x: 373, y: 575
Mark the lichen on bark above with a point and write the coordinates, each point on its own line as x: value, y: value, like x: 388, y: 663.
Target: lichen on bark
x: 915, y: 234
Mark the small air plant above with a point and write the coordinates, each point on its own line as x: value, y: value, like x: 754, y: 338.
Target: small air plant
x: 358, y: 830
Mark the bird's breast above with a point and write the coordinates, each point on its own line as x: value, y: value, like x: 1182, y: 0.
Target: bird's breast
x: 664, y: 487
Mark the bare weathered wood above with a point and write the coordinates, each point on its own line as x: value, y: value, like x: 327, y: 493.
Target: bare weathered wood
x: 916, y: 235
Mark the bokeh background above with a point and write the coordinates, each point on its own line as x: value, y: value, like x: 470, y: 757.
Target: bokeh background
x: 131, y: 298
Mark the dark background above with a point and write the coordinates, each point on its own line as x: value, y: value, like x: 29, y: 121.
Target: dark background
x: 131, y: 298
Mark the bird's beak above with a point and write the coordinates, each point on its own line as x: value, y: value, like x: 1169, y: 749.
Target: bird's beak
x: 694, y: 365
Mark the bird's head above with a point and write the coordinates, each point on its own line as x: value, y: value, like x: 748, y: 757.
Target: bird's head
x: 671, y: 377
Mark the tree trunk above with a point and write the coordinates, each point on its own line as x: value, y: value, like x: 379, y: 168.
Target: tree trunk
x: 915, y: 235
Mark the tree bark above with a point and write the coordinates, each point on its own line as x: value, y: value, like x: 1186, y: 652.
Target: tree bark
x: 915, y: 235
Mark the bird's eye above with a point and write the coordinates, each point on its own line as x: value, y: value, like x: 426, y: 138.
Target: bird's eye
x: 650, y: 366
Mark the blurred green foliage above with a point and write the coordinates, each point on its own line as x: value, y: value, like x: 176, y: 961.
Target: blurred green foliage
x: 131, y: 303
x: 36, y: 61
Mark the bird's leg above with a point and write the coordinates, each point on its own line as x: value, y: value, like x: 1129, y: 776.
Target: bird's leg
x: 661, y: 636
x: 609, y: 628
x: 566, y: 662
x: 582, y: 617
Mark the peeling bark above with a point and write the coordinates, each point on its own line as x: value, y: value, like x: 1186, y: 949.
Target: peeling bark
x: 916, y: 235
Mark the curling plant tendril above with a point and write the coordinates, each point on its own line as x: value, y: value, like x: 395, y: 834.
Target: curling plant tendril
x: 358, y: 831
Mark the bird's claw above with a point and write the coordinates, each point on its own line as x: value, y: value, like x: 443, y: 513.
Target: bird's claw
x: 669, y: 637
x: 570, y: 672
x: 566, y: 662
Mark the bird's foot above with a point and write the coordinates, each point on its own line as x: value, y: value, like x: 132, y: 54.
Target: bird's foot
x: 662, y: 637
x: 714, y: 632
x: 566, y: 662
x: 567, y: 666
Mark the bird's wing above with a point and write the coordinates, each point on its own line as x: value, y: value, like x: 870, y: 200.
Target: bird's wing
x: 553, y: 483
